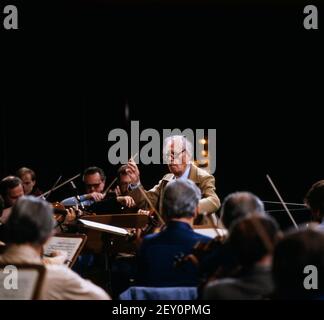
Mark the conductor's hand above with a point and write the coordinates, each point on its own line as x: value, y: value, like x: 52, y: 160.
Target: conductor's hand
x: 96, y: 196
x: 133, y: 172
x: 126, y: 201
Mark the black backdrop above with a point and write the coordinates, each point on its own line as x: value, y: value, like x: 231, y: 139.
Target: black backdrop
x: 251, y: 72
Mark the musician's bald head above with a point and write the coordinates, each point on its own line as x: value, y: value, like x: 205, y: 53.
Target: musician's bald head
x: 238, y: 205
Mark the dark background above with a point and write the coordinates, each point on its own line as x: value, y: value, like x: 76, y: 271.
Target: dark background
x: 250, y: 71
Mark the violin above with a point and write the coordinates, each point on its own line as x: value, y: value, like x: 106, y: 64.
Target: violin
x: 200, y: 250
x: 61, y: 213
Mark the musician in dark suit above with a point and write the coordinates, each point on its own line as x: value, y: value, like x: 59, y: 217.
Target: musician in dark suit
x: 156, y: 258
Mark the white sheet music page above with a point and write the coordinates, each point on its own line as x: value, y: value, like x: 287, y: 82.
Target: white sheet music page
x: 68, y: 244
x: 104, y: 227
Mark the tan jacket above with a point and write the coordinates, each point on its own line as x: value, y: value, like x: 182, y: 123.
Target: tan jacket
x: 209, y: 202
x: 61, y: 283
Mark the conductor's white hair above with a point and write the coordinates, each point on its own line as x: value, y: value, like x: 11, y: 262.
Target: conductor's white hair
x: 180, y: 143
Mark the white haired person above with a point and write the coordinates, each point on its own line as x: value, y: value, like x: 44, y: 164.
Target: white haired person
x: 178, y: 153
x: 28, y: 228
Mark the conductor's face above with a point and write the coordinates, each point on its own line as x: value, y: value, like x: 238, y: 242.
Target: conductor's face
x: 177, y: 160
x: 94, y: 183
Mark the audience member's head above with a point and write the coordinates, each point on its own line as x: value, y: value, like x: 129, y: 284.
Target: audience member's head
x: 94, y: 179
x: 253, y: 238
x: 28, y: 178
x: 314, y: 199
x: 296, y: 252
x: 181, y: 199
x: 238, y: 205
x: 31, y: 222
x: 11, y: 189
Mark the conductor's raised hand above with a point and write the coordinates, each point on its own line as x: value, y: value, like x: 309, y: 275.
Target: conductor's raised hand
x: 133, y: 172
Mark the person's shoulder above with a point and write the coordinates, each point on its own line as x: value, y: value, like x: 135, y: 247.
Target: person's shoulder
x: 220, y: 289
x: 151, y: 238
x: 200, y: 173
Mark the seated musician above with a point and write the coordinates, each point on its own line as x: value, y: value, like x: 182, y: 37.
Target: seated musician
x: 252, y: 240
x: 94, y: 180
x: 158, y: 252
x: 124, y: 203
x: 28, y: 178
x: 315, y: 201
x: 178, y: 153
x: 11, y: 189
x: 236, y: 206
x: 297, y: 250
x: 29, y: 226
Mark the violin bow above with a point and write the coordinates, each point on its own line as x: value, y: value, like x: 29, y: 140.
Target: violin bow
x: 54, y: 185
x: 112, y: 182
x: 59, y: 186
x: 282, y: 202
x: 151, y: 204
x: 287, y: 203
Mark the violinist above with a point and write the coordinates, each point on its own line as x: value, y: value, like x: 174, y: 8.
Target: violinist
x: 252, y: 241
x: 117, y: 200
x: 236, y: 206
x: 178, y: 152
x: 29, y: 227
x: 28, y: 178
x: 11, y: 189
x: 94, y: 181
x: 157, y: 253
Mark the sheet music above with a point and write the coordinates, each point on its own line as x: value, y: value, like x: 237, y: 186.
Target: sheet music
x: 68, y: 244
x: 211, y: 232
x: 27, y: 281
x: 104, y: 227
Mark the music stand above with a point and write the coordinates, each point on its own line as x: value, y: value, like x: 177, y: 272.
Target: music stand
x: 30, y: 280
x: 71, y: 243
x: 126, y: 220
x: 132, y: 221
